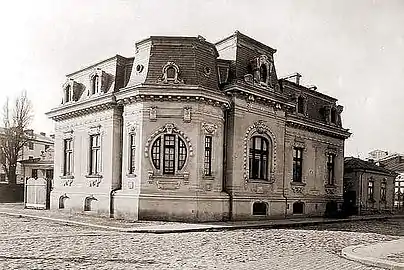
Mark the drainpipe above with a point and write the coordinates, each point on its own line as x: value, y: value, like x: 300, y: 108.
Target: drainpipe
x: 224, y: 173
x: 119, y: 187
x: 284, y: 173
x: 361, y: 193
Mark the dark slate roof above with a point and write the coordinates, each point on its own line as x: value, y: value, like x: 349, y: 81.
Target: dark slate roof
x: 352, y: 163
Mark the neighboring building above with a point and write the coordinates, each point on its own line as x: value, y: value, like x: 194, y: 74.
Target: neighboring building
x: 190, y: 130
x: 395, y: 162
x: 369, y: 186
x: 377, y: 154
x: 36, y: 150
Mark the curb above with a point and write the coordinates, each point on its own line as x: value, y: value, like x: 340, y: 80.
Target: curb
x: 202, y: 227
x: 350, y: 253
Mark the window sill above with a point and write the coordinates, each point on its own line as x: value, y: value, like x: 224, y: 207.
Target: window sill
x: 67, y: 177
x: 330, y: 186
x: 294, y: 183
x: 131, y: 175
x: 254, y: 180
x: 209, y: 177
x: 93, y: 176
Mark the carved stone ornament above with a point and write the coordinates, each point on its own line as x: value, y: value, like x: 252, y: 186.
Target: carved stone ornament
x: 187, y: 114
x: 168, y: 185
x: 297, y: 189
x: 153, y: 113
x: 261, y: 128
x: 209, y: 128
x: 67, y: 182
x: 94, y: 182
x: 94, y: 130
x: 166, y: 78
x: 68, y: 134
x: 330, y: 190
x: 132, y: 127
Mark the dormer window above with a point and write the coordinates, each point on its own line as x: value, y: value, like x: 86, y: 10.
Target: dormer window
x: 68, y: 93
x: 333, y: 116
x: 95, y: 84
x: 171, y: 73
x: 263, y: 73
x: 300, y: 105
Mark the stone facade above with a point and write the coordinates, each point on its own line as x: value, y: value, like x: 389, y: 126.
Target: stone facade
x: 190, y: 130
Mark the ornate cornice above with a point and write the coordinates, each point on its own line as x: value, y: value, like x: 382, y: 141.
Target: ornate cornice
x: 331, y: 131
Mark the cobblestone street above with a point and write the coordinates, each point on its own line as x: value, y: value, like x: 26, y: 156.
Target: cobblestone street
x: 37, y: 244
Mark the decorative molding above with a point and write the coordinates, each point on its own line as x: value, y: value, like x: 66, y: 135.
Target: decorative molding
x: 176, y: 79
x: 187, y: 114
x: 209, y: 128
x: 66, y: 182
x: 132, y: 127
x: 168, y: 128
x: 67, y: 134
x: 261, y: 128
x: 153, y: 113
x: 94, y: 130
x: 168, y: 182
x: 94, y: 180
x: 330, y: 190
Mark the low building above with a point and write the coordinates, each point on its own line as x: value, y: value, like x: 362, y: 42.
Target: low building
x: 35, y: 160
x: 193, y: 130
x: 367, y: 186
x: 395, y: 162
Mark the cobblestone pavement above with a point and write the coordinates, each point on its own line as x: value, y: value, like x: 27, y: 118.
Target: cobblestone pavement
x: 37, y: 244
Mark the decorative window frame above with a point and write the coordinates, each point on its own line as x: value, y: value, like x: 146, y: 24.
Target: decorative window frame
x: 70, y: 85
x: 304, y: 98
x: 209, y: 129
x: 256, y: 64
x: 101, y: 83
x: 176, y: 79
x: 168, y: 128
x: 131, y: 130
x: 67, y: 179
x: 95, y: 130
x: 261, y: 129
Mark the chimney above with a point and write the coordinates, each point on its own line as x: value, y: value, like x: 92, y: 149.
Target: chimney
x: 52, y: 136
x: 43, y: 134
x: 297, y: 77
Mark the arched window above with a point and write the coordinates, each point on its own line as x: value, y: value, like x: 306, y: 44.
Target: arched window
x: 171, y: 73
x: 300, y: 105
x: 68, y: 94
x: 170, y: 152
x: 260, y: 208
x: 258, y: 157
x: 298, y: 208
x: 263, y: 73
x: 95, y: 84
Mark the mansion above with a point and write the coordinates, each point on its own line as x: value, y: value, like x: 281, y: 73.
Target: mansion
x: 196, y: 131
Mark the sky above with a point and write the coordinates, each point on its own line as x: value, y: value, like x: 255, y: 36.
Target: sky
x: 351, y: 50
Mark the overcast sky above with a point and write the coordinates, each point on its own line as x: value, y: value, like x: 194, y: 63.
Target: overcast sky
x: 352, y: 50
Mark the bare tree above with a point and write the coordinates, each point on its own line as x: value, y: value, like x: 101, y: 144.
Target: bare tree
x: 13, y: 137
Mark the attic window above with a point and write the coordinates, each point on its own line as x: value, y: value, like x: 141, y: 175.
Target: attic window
x: 263, y: 73
x: 95, y: 84
x: 300, y: 105
x: 333, y: 115
x: 68, y: 94
x: 170, y: 73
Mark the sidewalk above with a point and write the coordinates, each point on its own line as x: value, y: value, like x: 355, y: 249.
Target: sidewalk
x: 106, y: 223
x: 388, y: 255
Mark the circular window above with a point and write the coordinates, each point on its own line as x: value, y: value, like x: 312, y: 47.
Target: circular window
x: 139, y: 68
x: 207, y: 70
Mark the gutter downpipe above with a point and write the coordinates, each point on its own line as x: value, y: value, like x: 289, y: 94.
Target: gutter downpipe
x: 284, y: 173
x: 224, y: 172
x: 119, y: 187
x: 361, y: 193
